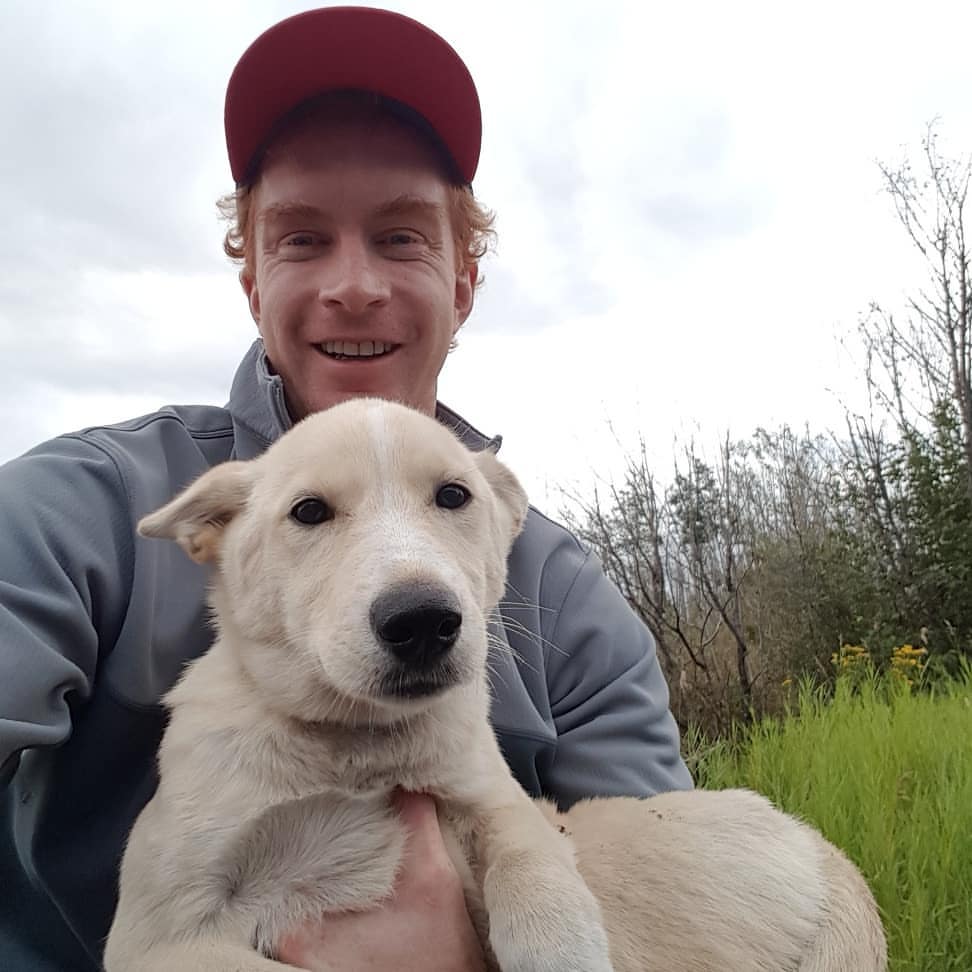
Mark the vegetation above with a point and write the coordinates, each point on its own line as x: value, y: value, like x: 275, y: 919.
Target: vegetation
x: 811, y: 596
x: 884, y: 769
x: 756, y: 567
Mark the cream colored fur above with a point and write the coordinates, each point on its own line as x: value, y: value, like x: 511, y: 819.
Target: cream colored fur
x: 288, y: 736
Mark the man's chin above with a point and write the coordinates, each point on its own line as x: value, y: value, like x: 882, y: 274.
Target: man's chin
x: 391, y: 392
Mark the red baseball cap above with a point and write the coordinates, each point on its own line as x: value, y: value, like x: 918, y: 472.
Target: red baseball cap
x: 351, y: 48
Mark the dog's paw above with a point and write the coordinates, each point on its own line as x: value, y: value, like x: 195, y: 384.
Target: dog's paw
x: 545, y: 926
x: 561, y: 960
x: 550, y: 946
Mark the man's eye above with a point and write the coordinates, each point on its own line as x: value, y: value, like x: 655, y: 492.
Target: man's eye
x: 300, y: 239
x: 402, y: 238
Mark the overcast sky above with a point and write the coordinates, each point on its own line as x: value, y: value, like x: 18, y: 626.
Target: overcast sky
x: 689, y: 208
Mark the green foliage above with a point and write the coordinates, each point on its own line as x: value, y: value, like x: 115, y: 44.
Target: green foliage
x: 906, y: 535
x: 760, y: 566
x: 696, y: 502
x: 885, y: 772
x: 802, y: 588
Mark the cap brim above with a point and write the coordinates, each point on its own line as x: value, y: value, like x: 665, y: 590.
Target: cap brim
x: 351, y: 48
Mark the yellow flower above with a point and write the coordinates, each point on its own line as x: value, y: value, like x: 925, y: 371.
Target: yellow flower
x: 909, y: 651
x: 905, y: 659
x: 851, y: 660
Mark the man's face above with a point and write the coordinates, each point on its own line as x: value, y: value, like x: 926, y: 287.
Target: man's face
x: 356, y: 289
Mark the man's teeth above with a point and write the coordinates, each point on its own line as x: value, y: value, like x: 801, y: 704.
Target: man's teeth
x: 356, y: 349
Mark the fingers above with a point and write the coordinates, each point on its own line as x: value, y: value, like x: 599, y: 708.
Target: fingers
x: 427, y: 869
x: 415, y: 809
x: 418, y: 813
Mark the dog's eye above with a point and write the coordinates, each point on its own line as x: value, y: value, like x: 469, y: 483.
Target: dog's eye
x: 452, y: 496
x: 311, y: 511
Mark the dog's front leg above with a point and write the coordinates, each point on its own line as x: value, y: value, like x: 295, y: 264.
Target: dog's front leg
x: 290, y: 864
x: 323, y: 853
x: 542, y: 916
x: 205, y: 957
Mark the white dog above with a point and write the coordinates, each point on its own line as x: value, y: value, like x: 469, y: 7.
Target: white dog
x: 357, y: 562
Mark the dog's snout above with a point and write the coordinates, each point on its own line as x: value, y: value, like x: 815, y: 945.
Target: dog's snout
x: 418, y: 624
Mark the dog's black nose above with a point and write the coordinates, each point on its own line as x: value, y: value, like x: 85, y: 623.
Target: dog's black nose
x: 417, y: 623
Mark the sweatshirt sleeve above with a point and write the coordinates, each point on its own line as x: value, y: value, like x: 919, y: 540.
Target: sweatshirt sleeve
x: 608, y: 696
x: 66, y: 552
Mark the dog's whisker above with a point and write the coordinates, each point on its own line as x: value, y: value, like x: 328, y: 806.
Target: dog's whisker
x: 495, y: 675
x: 523, y: 601
x: 502, y: 644
x: 526, y: 605
x: 504, y: 647
x: 533, y: 636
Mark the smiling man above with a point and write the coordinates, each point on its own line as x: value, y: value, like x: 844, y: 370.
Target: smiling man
x: 356, y: 282
x: 353, y: 138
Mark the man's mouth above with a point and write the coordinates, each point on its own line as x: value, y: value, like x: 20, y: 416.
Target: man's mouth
x: 355, y: 350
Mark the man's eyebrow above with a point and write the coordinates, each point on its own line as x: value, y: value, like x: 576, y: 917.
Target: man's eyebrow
x: 287, y: 210
x: 407, y: 204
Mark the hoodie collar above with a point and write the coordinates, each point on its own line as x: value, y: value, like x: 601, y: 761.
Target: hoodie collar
x: 259, y: 410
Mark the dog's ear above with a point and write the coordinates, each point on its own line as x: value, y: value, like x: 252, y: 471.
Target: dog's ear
x: 196, y: 517
x: 510, y: 495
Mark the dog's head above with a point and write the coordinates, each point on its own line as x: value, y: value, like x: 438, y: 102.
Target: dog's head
x: 356, y: 559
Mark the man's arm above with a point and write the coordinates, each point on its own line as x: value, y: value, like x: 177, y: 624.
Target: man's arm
x: 65, y: 572
x: 608, y: 696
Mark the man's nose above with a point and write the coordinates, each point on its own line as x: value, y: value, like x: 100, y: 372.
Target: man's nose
x: 353, y: 279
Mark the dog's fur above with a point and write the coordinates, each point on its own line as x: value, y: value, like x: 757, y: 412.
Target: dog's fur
x: 288, y: 736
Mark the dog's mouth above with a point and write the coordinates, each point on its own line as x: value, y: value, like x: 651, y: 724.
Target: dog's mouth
x: 404, y: 684
x: 360, y: 351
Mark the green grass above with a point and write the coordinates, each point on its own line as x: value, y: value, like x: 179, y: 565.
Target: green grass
x: 886, y: 774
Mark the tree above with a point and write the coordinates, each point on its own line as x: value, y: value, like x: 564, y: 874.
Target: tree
x: 713, y: 533
x: 908, y: 497
x: 759, y: 566
x: 915, y: 366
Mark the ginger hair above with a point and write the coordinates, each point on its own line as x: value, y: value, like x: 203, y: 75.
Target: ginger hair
x: 472, y: 227
x: 472, y: 223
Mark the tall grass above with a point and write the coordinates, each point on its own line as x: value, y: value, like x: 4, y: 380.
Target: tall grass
x: 885, y: 772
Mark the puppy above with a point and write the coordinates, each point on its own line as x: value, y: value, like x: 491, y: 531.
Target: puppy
x: 357, y: 562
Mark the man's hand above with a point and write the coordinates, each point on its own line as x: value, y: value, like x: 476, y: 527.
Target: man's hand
x: 423, y: 927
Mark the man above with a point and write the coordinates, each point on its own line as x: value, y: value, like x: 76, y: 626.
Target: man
x: 353, y: 136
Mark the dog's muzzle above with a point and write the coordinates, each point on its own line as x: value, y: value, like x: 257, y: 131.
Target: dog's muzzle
x: 417, y: 624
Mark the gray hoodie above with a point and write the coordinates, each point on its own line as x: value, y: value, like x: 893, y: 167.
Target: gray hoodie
x: 96, y: 624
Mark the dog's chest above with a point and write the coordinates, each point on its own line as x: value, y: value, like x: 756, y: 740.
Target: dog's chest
x: 355, y: 762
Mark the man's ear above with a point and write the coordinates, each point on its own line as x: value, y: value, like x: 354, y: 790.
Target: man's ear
x: 252, y: 291
x: 510, y: 496
x: 196, y: 518
x: 465, y: 294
